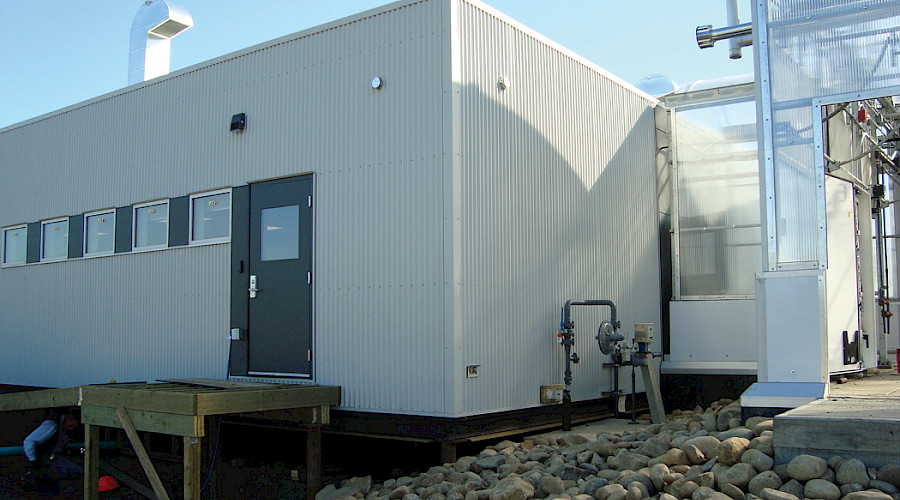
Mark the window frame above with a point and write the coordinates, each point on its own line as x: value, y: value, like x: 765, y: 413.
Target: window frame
x: 44, y: 224
x: 84, y: 243
x: 210, y: 241
x: 134, y: 222
x: 3, y: 231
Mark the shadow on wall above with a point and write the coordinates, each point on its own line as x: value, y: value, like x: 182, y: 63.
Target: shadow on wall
x: 545, y: 217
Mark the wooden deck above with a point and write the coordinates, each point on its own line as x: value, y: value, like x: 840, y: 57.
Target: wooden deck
x: 180, y: 408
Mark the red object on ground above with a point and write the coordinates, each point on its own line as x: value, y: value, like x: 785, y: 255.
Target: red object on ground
x: 108, y: 483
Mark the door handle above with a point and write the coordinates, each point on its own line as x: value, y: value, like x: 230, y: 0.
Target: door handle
x: 253, y: 288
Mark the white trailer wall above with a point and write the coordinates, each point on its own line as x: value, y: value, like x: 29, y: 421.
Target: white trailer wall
x: 567, y: 210
x: 452, y: 219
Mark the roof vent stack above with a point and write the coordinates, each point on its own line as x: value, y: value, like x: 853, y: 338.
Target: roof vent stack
x: 154, y: 26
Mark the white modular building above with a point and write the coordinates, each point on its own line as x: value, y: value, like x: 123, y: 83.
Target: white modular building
x: 398, y: 203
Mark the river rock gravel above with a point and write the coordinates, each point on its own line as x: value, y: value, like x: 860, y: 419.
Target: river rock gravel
x: 698, y: 454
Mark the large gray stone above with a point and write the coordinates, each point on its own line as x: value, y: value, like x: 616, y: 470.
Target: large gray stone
x: 770, y: 494
x: 512, y: 488
x: 694, y: 454
x: 603, y: 447
x: 729, y: 452
x: 682, y: 488
x: 706, y: 493
x: 821, y: 489
x: 666, y: 496
x: 742, y: 432
x: 852, y: 471
x: 764, y: 443
x: 572, y: 473
x: 793, y: 487
x: 399, y: 492
x: 551, y: 485
x: 491, y: 462
x: 763, y: 480
x: 763, y: 426
x: 706, y: 444
x: 636, y: 491
x: 611, y: 492
x: 733, y: 491
x: 868, y: 495
x: 591, y: 486
x: 806, y: 467
x: 738, y: 475
x: 847, y: 489
x: 884, y: 486
x: 672, y: 457
x: 759, y: 460
x: 653, y: 447
x: 571, y: 438
x: 890, y: 474
x: 657, y: 474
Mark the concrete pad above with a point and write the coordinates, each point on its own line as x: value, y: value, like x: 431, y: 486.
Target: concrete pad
x: 867, y: 428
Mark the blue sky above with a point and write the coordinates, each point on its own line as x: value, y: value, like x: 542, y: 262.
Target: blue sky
x: 55, y: 53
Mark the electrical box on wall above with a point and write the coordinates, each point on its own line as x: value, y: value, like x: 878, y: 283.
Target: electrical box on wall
x: 551, y: 394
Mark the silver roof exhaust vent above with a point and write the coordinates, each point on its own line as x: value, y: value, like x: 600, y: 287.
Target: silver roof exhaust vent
x: 154, y: 26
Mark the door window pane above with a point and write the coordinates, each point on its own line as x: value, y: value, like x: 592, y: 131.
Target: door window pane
x: 211, y: 216
x: 280, y: 238
x: 151, y: 225
x: 99, y: 233
x: 14, y: 244
x: 55, y: 240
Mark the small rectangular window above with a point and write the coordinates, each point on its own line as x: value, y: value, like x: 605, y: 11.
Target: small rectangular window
x: 151, y: 225
x: 54, y: 239
x: 211, y: 217
x: 99, y: 233
x: 15, y: 244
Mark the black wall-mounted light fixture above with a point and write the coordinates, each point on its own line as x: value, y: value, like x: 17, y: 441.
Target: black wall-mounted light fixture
x: 238, y: 122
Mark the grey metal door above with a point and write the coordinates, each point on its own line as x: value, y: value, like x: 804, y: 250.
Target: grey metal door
x: 280, y: 268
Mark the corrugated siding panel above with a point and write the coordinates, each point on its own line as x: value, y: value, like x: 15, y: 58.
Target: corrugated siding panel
x: 558, y: 202
x: 378, y: 160
x: 127, y: 317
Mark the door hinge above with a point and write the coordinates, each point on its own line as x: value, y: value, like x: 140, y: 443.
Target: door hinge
x: 309, y: 201
x: 309, y: 354
x: 309, y: 278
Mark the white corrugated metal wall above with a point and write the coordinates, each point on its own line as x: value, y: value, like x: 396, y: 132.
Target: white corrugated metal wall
x: 564, y: 209
x: 553, y: 186
x: 377, y: 156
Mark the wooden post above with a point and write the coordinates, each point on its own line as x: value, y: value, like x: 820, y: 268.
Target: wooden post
x: 448, y: 452
x: 142, y: 455
x: 211, y: 445
x: 313, y: 461
x: 91, y: 462
x: 192, y: 456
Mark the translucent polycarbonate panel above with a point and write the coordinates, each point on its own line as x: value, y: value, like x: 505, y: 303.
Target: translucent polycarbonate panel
x: 211, y: 217
x: 280, y: 238
x: 819, y: 48
x: 15, y: 241
x: 100, y: 233
x: 718, y: 199
x: 55, y: 240
x: 151, y: 225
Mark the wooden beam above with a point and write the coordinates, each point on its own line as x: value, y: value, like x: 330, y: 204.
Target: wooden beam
x: 313, y: 460
x: 222, y: 402
x: 191, y: 468
x: 220, y: 384
x: 306, y: 416
x: 448, y: 452
x: 91, y: 462
x: 42, y: 398
x: 144, y: 398
x: 157, y: 485
x: 147, y: 421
